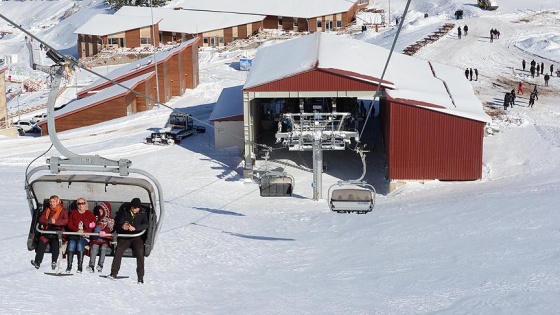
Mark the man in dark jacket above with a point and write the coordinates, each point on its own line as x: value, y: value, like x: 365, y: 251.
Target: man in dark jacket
x: 132, y: 220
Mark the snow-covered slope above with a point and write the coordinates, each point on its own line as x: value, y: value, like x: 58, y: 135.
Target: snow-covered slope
x: 483, y: 247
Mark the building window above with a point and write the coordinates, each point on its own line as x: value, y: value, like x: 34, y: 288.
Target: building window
x: 205, y: 41
x: 319, y: 24
x: 145, y: 41
x: 113, y: 41
x: 280, y: 21
x: 221, y: 40
x: 338, y: 24
x: 296, y: 22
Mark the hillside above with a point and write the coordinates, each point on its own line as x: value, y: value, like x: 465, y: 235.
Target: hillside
x: 482, y: 247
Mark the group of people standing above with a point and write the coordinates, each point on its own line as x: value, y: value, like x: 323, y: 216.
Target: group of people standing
x: 509, y: 98
x: 536, y: 68
x: 494, y: 33
x: 465, y: 29
x: 469, y: 74
x: 133, y: 219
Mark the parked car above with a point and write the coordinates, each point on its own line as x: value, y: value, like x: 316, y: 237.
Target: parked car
x: 40, y: 117
x: 26, y: 124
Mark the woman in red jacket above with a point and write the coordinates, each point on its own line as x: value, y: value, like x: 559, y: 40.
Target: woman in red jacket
x: 53, y: 218
x: 81, y: 221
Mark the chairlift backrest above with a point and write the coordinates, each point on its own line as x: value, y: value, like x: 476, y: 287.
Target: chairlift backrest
x: 276, y: 185
x: 351, y: 194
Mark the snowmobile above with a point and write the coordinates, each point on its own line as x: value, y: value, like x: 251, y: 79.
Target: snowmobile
x: 488, y: 4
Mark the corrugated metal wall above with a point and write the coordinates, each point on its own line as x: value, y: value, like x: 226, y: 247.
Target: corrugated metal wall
x: 424, y: 144
x: 316, y: 80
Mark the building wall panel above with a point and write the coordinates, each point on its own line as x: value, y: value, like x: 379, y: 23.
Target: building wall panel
x: 105, y: 111
x: 288, y: 23
x: 256, y: 27
x: 316, y: 80
x: 423, y: 145
x: 242, y: 31
x: 228, y: 35
x: 270, y: 22
x: 132, y: 38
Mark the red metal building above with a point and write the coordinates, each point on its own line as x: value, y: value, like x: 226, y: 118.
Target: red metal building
x: 432, y: 123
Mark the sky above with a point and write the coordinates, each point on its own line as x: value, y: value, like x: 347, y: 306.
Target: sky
x: 483, y: 247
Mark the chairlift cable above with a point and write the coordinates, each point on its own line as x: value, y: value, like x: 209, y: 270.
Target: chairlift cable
x: 376, y: 95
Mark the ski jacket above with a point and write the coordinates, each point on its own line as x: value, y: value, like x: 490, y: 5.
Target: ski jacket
x: 58, y: 213
x: 84, y: 218
x: 139, y: 221
x: 106, y: 224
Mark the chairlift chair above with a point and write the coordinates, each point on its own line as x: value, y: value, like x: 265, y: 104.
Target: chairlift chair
x: 352, y: 196
x: 275, y: 183
x: 94, y: 187
x: 90, y: 176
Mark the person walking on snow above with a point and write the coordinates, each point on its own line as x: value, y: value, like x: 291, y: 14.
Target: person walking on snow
x: 470, y: 74
x: 466, y: 29
x: 506, y: 101
x: 546, y: 78
x: 476, y: 74
x: 531, y: 100
x: 492, y: 35
x: 467, y: 73
x: 536, y: 92
x: 520, y: 88
x: 538, y: 70
x: 551, y: 69
x: 542, y: 67
x: 512, y: 97
x: 523, y: 64
x: 459, y: 32
x: 532, y: 70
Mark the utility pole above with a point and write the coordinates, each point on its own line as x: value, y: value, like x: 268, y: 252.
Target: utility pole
x: 389, y: 20
x: 19, y: 112
x: 154, y: 54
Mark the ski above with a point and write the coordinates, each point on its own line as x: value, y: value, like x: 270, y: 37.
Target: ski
x: 118, y: 277
x: 57, y: 274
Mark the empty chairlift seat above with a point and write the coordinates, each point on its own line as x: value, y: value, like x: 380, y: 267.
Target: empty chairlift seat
x: 274, y: 185
x: 346, y: 200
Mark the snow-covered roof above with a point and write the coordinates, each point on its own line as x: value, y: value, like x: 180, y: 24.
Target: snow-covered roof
x: 103, y: 95
x: 107, y: 24
x: 408, y: 79
x: 138, y: 64
x: 229, y: 104
x: 287, y: 8
x: 189, y: 22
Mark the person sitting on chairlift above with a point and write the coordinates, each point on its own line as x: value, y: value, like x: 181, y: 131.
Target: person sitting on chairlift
x: 53, y: 218
x: 81, y: 220
x: 132, y: 220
